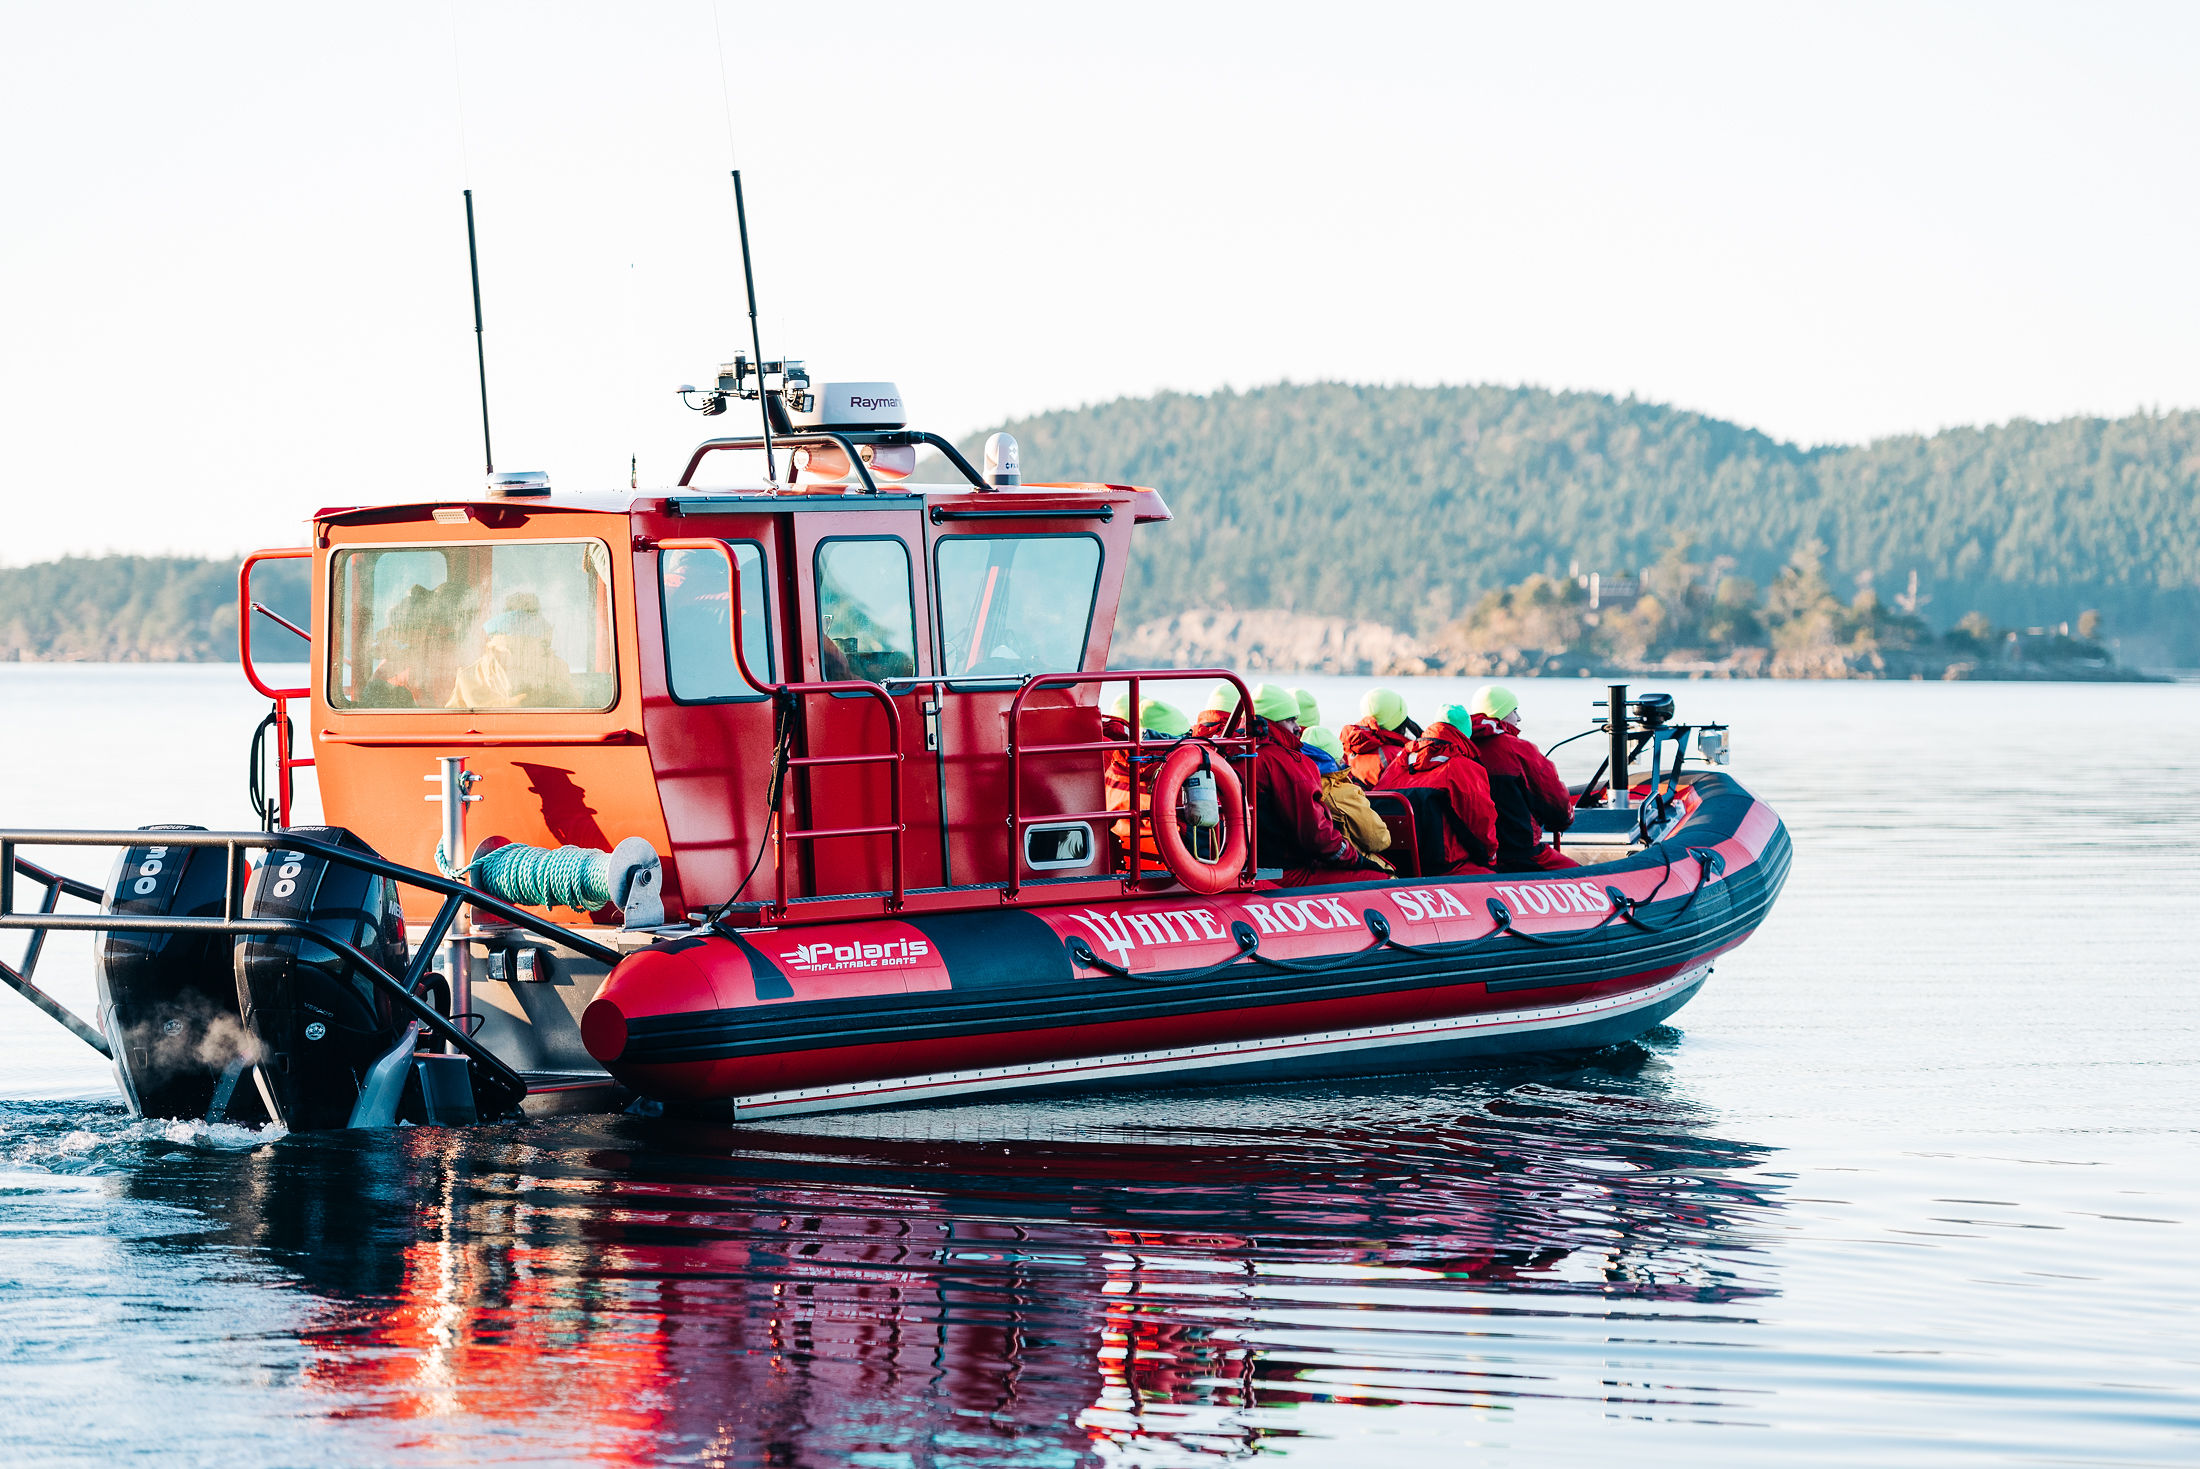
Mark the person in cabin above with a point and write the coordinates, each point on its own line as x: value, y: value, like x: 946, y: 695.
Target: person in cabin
x: 1530, y: 797
x: 416, y: 662
x: 1294, y: 827
x: 516, y: 669
x: 1343, y: 798
x: 1442, y: 759
x: 1160, y: 723
x: 1373, y: 740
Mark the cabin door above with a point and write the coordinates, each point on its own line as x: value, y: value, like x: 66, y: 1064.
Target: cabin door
x: 862, y: 578
x: 710, y: 731
x: 1012, y: 600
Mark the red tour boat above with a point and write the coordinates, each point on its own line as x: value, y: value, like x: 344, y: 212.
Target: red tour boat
x: 788, y: 795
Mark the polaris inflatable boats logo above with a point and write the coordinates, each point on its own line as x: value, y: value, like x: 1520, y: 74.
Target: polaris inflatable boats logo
x: 821, y: 958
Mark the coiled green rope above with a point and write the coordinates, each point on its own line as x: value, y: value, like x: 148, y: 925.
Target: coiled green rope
x: 538, y: 877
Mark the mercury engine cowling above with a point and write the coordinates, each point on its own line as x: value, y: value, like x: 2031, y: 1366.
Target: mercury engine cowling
x: 168, y: 1001
x: 319, y: 1022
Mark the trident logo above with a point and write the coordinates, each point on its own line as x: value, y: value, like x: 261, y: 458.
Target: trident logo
x: 1113, y: 934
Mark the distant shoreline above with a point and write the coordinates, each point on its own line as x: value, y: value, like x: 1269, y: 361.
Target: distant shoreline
x: 1612, y: 675
x: 1276, y: 641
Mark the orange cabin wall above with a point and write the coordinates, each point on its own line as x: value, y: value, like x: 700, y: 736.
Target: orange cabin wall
x: 547, y: 779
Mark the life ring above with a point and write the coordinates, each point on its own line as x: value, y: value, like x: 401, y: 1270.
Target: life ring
x: 1196, y: 873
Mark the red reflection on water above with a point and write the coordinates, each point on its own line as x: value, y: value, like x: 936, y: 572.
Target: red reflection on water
x: 748, y: 1297
x: 483, y: 1339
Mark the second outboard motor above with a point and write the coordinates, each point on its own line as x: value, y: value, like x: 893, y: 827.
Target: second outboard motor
x: 168, y: 1001
x: 321, y: 1024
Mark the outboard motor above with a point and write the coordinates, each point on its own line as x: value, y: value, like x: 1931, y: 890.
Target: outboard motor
x: 320, y: 1024
x: 168, y: 1001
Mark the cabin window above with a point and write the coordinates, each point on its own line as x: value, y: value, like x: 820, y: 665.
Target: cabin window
x: 698, y: 633
x: 1015, y: 605
x: 517, y: 625
x: 866, y: 617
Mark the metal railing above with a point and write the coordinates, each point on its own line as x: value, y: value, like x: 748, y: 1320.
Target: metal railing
x: 19, y: 979
x: 497, y: 1082
x: 247, y: 609
x: 789, y: 696
x: 1237, y: 748
x: 846, y: 440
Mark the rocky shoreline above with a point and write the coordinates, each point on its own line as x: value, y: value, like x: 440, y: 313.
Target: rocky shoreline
x: 1272, y: 641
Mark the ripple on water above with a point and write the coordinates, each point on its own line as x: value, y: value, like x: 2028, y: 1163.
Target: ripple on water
x: 74, y: 1138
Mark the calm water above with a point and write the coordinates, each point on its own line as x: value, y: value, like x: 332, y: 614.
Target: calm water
x: 1914, y: 1180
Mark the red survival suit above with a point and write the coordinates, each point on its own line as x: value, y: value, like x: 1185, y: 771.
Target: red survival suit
x: 1443, y: 759
x: 1117, y: 779
x: 1295, y: 831
x: 1212, y: 722
x: 1529, y: 795
x: 1369, y: 749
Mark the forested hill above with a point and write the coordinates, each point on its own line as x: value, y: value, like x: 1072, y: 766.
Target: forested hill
x: 1403, y: 505
x: 143, y: 609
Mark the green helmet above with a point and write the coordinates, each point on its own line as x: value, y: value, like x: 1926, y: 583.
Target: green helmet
x: 1274, y: 701
x: 1387, y: 707
x: 1164, y: 719
x: 1495, y: 700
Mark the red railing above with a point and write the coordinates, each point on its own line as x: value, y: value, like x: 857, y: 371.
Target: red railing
x: 247, y: 609
x: 1238, y: 748
x: 891, y: 757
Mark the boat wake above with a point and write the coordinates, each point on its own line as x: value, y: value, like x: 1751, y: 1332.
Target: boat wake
x: 98, y: 1138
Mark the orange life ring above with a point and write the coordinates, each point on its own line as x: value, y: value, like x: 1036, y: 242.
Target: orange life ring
x: 1196, y: 873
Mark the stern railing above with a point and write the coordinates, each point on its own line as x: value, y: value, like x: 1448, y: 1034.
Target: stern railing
x: 496, y: 1080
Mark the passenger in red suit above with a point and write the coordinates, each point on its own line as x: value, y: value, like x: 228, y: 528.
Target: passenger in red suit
x: 1293, y: 826
x: 1373, y: 740
x: 1443, y: 759
x: 1530, y: 797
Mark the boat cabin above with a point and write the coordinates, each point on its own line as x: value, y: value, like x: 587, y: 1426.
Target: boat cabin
x: 577, y: 650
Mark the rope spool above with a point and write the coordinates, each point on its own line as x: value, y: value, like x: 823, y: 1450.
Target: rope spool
x: 536, y: 877
x: 567, y: 877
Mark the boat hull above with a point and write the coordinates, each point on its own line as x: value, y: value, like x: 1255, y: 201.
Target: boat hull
x: 1355, y: 979
x: 1431, y: 1045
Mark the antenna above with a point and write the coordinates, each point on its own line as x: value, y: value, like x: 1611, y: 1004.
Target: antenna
x: 756, y: 338
x: 481, y: 358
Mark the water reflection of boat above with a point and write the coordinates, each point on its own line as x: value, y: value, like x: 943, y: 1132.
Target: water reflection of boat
x: 619, y: 1291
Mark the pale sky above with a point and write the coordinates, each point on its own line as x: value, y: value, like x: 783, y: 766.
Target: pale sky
x: 233, y: 255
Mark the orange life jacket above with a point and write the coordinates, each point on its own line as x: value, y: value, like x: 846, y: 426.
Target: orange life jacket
x: 1369, y: 749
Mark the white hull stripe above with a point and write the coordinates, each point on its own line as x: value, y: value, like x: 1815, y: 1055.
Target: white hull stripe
x: 1192, y: 1058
